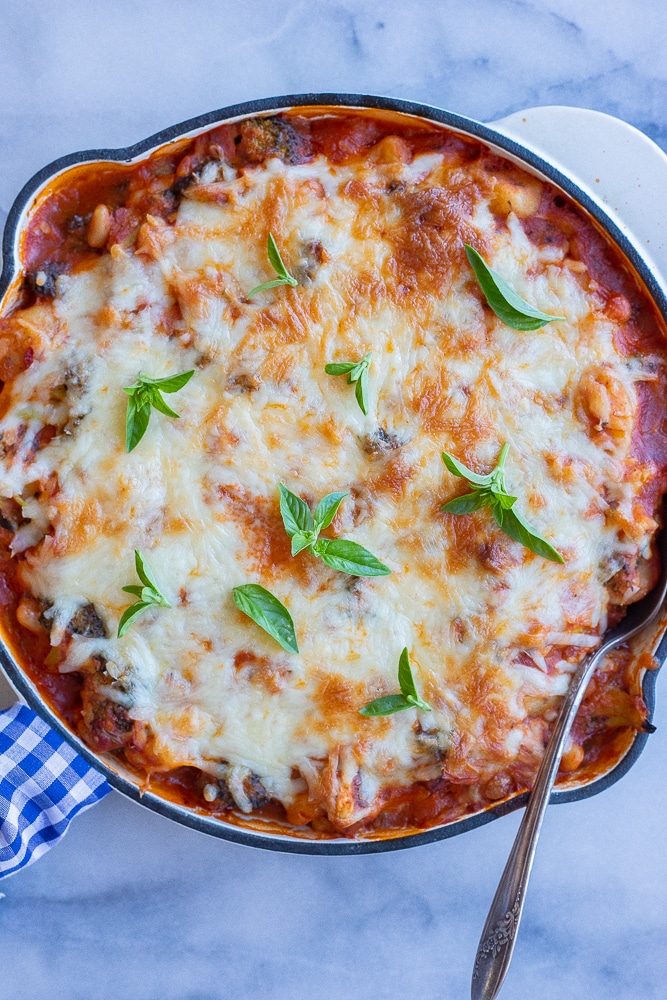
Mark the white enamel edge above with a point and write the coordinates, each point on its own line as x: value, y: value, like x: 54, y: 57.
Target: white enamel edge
x: 623, y: 170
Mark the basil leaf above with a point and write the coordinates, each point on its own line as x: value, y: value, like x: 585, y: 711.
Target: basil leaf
x: 466, y: 504
x: 136, y: 422
x: 361, y: 391
x: 149, y: 595
x: 302, y: 540
x: 489, y: 491
x: 146, y: 594
x: 326, y: 510
x: 418, y: 702
x: 130, y: 615
x: 144, y: 573
x: 514, y: 311
x: 349, y: 557
x: 503, y: 500
x: 408, y: 698
x: 357, y: 371
x: 294, y: 512
x: 387, y: 705
x: 342, y: 368
x: 517, y: 528
x: 406, y: 681
x: 172, y: 383
x: 144, y: 393
x: 463, y: 472
x: 264, y: 287
x: 147, y: 578
x: 158, y: 403
x: 268, y: 612
x: 276, y: 261
x: 340, y: 554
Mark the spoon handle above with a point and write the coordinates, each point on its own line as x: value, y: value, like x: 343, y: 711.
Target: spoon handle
x: 494, y: 952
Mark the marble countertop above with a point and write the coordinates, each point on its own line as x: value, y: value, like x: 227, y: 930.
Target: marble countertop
x: 131, y: 905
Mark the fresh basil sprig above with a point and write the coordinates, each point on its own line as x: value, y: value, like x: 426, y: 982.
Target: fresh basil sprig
x: 268, y: 612
x: 276, y: 261
x: 144, y: 393
x: 408, y: 698
x: 490, y: 491
x: 148, y: 593
x: 304, y: 529
x: 506, y: 304
x: 356, y: 371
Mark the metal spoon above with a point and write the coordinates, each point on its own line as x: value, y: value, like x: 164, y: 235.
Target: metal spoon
x: 494, y: 952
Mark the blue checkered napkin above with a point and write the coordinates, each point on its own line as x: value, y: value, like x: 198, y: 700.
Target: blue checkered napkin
x: 43, y: 784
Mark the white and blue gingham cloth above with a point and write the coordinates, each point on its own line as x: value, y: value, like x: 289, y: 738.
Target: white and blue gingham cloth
x: 43, y: 784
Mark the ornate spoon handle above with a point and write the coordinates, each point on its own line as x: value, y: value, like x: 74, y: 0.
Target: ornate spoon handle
x: 496, y: 945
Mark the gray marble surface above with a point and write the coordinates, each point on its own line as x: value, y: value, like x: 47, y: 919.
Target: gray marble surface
x: 133, y: 906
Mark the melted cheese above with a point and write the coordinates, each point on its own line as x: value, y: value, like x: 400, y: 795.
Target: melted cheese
x: 480, y: 614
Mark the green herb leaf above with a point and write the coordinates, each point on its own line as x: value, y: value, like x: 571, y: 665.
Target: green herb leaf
x: 504, y: 500
x: 463, y: 472
x: 326, y: 509
x: 490, y: 491
x: 276, y: 261
x: 144, y: 573
x: 506, y: 304
x: 406, y: 681
x: 357, y: 371
x: 304, y: 530
x: 130, y: 615
x: 466, y: 504
x: 268, y: 612
x: 419, y: 703
x: 408, y: 698
x: 294, y: 512
x: 386, y: 705
x: 342, y: 368
x: 266, y: 285
x: 158, y: 403
x: 518, y: 528
x: 349, y: 557
x: 302, y: 540
x: 149, y: 595
x: 144, y: 394
x: 361, y: 391
x: 136, y: 422
x: 171, y: 383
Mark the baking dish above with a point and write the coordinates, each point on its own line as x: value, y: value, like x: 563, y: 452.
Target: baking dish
x: 510, y: 149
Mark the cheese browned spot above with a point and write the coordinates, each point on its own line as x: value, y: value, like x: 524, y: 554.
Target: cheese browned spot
x: 375, y: 236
